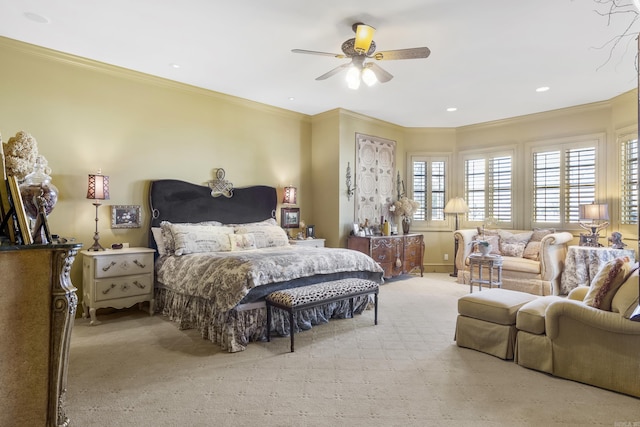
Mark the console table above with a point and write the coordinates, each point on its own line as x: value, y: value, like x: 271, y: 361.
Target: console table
x: 37, y: 309
x: 395, y: 254
x: 583, y: 263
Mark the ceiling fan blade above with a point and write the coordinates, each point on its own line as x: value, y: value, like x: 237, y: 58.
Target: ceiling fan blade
x: 334, y: 71
x: 313, y: 52
x: 412, y: 53
x: 382, y: 75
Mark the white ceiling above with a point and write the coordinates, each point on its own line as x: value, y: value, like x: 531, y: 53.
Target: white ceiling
x: 487, y: 57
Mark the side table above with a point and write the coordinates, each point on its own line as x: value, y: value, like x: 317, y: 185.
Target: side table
x: 489, y: 262
x: 583, y: 263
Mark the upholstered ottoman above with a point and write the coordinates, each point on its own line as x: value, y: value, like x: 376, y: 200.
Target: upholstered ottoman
x: 487, y: 321
x: 533, y: 347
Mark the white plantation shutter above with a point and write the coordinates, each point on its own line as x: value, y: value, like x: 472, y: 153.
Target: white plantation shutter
x: 489, y: 187
x: 629, y: 181
x: 563, y: 179
x: 429, y: 183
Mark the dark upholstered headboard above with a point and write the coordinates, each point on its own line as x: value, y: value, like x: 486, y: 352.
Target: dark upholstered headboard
x: 179, y: 201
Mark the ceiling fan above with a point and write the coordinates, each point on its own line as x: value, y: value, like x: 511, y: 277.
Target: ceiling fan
x: 359, y: 49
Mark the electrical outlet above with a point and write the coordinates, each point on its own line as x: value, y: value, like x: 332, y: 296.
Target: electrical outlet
x: 446, y: 257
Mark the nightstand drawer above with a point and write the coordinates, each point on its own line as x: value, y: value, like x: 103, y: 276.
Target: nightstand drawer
x: 123, y: 265
x: 123, y: 287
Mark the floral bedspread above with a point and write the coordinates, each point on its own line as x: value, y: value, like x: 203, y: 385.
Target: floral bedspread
x: 224, y: 278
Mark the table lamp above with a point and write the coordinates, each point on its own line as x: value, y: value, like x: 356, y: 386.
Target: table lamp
x: 98, y: 190
x: 598, y: 216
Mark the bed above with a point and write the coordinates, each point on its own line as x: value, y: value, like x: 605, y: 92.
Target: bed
x: 219, y: 257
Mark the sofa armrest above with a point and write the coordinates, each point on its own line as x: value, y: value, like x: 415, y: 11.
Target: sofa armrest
x: 464, y: 238
x: 553, y: 251
x: 589, y: 316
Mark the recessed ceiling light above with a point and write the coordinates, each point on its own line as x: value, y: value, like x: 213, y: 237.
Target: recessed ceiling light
x: 451, y: 109
x: 542, y: 89
x: 36, y: 18
x: 174, y: 65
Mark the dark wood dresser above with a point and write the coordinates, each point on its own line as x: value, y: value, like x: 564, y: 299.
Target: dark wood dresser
x: 395, y: 254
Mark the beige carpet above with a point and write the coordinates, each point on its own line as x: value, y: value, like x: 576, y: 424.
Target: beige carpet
x: 137, y: 370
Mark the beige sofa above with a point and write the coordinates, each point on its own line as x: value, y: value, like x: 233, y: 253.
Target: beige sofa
x: 567, y: 338
x: 536, y: 275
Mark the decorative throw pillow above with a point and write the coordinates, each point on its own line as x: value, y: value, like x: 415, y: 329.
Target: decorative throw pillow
x: 539, y: 233
x: 200, y: 238
x: 607, y: 281
x: 242, y: 242
x: 167, y: 236
x: 513, y: 244
x: 266, y: 236
x: 512, y: 249
x: 626, y: 298
x: 270, y: 221
x: 532, y: 251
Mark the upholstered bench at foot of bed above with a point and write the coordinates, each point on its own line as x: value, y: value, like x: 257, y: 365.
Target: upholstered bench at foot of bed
x: 295, y: 299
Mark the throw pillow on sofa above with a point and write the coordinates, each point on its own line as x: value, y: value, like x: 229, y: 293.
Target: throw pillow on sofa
x: 626, y: 298
x: 532, y: 250
x: 513, y: 244
x: 607, y: 281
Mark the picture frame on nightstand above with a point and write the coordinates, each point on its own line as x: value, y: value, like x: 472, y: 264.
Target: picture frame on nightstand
x: 311, y: 231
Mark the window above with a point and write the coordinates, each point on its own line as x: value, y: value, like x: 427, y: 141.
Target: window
x: 429, y: 183
x: 488, y: 187
x: 564, y: 177
x: 629, y: 179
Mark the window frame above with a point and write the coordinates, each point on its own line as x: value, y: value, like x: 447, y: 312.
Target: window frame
x: 448, y: 223
x: 624, y: 136
x: 598, y: 141
x: 487, y: 154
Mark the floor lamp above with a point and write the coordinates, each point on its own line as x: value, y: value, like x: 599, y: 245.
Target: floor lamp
x: 456, y: 206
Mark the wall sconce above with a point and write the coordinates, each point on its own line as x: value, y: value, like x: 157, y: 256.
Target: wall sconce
x: 456, y: 206
x: 98, y: 189
x: 595, y: 213
x: 350, y: 190
x: 290, y: 195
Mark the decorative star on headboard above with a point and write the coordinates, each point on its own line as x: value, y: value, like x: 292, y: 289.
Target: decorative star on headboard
x: 220, y: 186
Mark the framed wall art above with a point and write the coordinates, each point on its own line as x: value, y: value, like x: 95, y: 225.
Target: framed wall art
x: 125, y: 216
x: 290, y: 217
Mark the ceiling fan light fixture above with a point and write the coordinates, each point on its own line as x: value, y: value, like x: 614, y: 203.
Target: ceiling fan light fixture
x: 369, y: 77
x: 364, y: 37
x: 353, y: 78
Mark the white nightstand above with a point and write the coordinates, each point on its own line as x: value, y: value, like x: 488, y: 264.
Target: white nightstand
x: 316, y: 243
x: 116, y: 278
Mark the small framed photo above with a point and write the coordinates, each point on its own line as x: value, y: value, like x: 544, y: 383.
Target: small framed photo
x: 311, y: 231
x: 125, y: 216
x: 290, y: 217
x: 368, y: 231
x: 355, y: 229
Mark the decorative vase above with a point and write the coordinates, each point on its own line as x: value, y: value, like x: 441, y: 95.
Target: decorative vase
x: 406, y: 223
x: 38, y: 193
x: 484, y: 249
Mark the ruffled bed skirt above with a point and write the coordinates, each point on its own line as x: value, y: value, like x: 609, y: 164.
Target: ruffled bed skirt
x: 233, y: 330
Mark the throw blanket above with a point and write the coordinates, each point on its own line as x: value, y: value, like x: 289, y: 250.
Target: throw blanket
x: 224, y: 278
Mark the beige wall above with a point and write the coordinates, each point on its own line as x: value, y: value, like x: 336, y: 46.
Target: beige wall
x: 137, y: 128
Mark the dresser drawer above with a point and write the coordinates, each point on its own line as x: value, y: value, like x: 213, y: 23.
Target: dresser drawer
x: 123, y: 265
x: 123, y: 287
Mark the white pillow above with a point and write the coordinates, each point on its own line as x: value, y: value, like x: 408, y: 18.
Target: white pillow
x: 270, y: 221
x: 200, y: 238
x: 242, y: 242
x: 167, y: 235
x: 157, y: 237
x: 266, y: 236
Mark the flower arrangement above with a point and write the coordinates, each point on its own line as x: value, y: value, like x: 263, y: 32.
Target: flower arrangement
x: 20, y: 153
x: 404, y: 207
